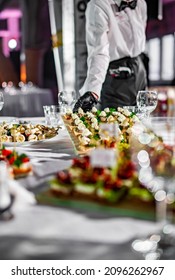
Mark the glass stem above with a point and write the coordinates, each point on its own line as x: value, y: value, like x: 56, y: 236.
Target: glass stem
x: 164, y: 213
x: 161, y: 211
x: 147, y: 114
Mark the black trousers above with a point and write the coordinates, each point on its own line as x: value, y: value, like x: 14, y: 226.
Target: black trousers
x: 122, y: 90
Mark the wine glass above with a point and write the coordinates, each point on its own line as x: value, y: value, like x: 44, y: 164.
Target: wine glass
x: 66, y: 100
x: 147, y: 102
x: 75, y: 95
x: 134, y: 109
x: 1, y: 100
x: 52, y: 115
x: 157, y: 172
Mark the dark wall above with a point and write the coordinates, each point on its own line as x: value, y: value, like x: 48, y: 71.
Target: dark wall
x: 152, y: 6
x: 159, y: 28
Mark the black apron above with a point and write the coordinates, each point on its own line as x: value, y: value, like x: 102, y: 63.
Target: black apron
x: 125, y: 77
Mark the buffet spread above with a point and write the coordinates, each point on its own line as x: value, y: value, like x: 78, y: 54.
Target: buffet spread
x: 105, y: 172
x: 112, y: 146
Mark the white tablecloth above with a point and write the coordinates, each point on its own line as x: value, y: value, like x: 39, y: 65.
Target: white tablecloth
x: 46, y: 232
x: 27, y: 103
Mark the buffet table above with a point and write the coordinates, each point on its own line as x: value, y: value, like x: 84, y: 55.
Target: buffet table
x: 47, y: 232
x: 26, y: 103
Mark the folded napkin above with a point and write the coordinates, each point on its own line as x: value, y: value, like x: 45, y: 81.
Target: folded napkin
x: 47, y: 154
x: 50, y: 167
x: 22, y: 197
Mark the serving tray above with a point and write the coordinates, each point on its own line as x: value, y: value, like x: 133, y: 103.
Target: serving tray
x: 129, y: 207
x: 79, y: 148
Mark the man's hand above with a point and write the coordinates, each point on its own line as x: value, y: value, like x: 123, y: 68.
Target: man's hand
x: 85, y: 102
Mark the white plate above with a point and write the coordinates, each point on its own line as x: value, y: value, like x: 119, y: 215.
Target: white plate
x: 32, y: 120
x: 26, y: 143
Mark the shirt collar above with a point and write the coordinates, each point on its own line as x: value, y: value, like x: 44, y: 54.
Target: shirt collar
x: 118, y: 2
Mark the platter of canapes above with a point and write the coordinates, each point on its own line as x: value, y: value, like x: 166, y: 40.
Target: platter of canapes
x: 25, y: 134
x: 85, y: 128
x: 101, y: 189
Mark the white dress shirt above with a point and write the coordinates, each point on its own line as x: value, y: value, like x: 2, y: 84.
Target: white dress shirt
x: 111, y: 35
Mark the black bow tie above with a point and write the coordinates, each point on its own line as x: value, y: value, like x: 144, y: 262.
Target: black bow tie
x: 125, y: 4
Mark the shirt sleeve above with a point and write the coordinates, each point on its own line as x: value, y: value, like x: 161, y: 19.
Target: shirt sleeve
x: 97, y: 41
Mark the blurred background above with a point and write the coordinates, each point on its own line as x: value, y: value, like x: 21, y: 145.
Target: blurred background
x: 26, y: 46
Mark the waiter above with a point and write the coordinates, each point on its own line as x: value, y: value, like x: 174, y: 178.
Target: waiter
x: 115, y: 38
